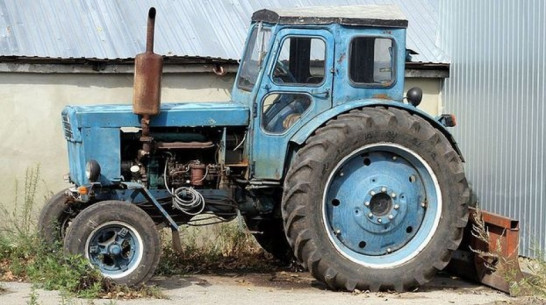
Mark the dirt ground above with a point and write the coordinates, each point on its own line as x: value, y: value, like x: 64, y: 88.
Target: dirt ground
x: 279, y: 287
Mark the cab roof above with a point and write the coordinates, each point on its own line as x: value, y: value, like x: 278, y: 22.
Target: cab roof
x: 354, y: 15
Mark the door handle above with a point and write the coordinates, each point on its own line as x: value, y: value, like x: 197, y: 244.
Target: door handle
x: 324, y: 94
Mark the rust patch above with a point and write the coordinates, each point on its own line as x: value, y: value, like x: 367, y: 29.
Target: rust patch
x: 382, y: 96
x: 341, y: 58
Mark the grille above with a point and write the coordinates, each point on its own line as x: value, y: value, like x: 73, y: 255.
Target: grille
x: 67, y: 127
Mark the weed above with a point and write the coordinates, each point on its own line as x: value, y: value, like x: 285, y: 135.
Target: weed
x: 534, y: 283
x: 33, y: 297
x: 219, y: 247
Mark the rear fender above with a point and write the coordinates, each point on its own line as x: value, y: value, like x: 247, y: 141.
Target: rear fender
x: 308, y: 129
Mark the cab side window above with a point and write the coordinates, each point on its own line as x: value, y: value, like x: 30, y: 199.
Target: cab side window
x: 301, y: 61
x: 371, y: 61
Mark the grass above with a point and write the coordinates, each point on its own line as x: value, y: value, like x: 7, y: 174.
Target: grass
x: 223, y: 247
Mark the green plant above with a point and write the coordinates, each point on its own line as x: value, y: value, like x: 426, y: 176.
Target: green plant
x: 223, y: 246
x: 33, y: 297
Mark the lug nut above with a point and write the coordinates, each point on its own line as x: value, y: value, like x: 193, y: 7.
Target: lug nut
x: 389, y: 250
x: 391, y: 216
x: 394, y: 158
x: 367, y: 203
x: 372, y: 193
x: 370, y: 215
x: 393, y: 195
x: 383, y: 189
x: 396, y: 206
x: 341, y: 174
x: 379, y: 220
x: 338, y: 231
x: 423, y: 204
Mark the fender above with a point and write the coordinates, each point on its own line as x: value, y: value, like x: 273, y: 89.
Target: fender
x: 306, y: 130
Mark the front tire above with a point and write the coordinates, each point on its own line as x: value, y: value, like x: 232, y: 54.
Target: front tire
x: 376, y: 199
x: 55, y: 217
x: 118, y: 238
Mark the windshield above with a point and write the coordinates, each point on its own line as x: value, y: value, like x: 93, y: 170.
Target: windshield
x: 257, y: 48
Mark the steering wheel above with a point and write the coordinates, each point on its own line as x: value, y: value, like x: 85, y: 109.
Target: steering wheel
x: 282, y: 73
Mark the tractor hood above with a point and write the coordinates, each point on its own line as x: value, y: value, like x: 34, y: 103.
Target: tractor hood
x: 89, y: 129
x: 175, y: 114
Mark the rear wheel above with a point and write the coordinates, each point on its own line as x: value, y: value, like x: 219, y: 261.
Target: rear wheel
x: 376, y: 199
x: 118, y: 238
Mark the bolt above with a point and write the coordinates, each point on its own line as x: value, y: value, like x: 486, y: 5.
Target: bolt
x: 379, y: 220
x: 396, y: 206
x: 383, y: 189
x: 372, y: 193
x: 391, y: 216
x: 423, y: 204
x: 393, y: 195
x: 338, y: 231
x: 367, y: 203
x: 389, y: 250
x: 370, y: 215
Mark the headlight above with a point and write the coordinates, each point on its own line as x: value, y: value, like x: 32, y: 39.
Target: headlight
x: 92, y: 170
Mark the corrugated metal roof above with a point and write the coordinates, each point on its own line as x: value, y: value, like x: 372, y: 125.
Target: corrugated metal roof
x: 108, y: 29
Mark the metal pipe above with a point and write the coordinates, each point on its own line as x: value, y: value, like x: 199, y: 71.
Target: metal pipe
x: 150, y: 31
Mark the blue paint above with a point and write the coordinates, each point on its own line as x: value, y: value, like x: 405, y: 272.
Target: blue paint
x: 375, y: 234
x: 114, y: 249
x: 171, y: 115
x: 268, y: 149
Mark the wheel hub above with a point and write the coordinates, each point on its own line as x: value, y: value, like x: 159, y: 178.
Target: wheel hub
x: 114, y: 248
x: 381, y: 204
x: 375, y: 202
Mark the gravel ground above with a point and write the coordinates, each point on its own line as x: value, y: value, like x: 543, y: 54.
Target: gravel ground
x: 279, y: 287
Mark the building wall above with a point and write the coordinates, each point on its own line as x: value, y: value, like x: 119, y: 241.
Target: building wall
x: 31, y: 103
x: 497, y: 88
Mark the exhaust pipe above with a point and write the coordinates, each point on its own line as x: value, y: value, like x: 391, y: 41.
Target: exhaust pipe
x: 147, y: 87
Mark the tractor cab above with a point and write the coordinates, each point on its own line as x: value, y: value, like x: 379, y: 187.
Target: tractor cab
x: 301, y: 63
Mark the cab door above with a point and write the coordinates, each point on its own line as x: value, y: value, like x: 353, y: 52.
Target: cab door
x: 296, y: 87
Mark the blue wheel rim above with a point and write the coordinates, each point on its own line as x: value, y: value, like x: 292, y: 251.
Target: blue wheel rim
x: 381, y: 205
x: 115, y: 248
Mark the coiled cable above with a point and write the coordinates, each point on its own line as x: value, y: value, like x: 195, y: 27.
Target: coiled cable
x: 188, y: 200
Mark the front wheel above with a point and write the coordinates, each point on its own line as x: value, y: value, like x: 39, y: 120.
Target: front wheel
x: 56, y: 216
x: 118, y: 238
x: 376, y: 199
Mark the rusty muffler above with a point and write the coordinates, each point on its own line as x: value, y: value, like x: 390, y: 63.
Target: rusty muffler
x: 148, y: 69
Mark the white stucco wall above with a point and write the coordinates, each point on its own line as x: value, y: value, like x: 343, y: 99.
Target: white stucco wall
x: 31, y: 104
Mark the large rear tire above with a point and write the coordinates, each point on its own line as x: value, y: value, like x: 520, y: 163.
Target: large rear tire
x: 118, y: 238
x: 376, y: 199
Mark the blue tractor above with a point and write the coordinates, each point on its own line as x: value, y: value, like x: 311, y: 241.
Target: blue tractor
x: 318, y: 151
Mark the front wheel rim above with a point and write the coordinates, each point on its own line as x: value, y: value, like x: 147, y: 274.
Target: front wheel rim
x: 381, y: 205
x: 116, y: 248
